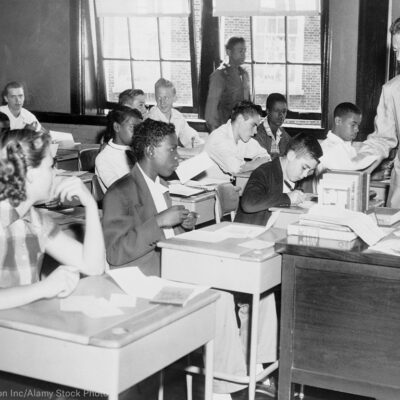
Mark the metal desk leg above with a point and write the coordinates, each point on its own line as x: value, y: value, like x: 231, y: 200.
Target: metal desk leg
x: 253, y: 345
x: 209, y: 366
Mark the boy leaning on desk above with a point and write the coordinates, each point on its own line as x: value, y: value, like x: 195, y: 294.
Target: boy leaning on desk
x: 26, y: 179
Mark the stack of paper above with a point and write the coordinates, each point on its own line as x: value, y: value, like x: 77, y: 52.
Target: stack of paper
x: 193, y: 166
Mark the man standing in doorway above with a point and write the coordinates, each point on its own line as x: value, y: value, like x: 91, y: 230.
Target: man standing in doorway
x: 228, y: 85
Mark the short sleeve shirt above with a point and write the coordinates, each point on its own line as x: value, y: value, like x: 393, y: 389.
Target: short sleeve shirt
x: 23, y: 241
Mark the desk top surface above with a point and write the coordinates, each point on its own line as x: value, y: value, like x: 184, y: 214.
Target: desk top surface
x: 232, y: 247
x: 358, y: 253
x: 44, y: 317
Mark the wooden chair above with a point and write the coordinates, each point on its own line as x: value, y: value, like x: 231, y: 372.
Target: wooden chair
x: 226, y: 201
x: 86, y: 160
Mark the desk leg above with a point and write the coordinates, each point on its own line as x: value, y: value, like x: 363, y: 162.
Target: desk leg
x: 253, y: 345
x: 209, y: 365
x: 161, y: 386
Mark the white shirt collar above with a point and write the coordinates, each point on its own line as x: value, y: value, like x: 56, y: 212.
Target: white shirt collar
x: 118, y: 146
x: 269, y: 131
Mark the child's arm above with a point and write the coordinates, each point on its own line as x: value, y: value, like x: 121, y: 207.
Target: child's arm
x: 60, y: 282
x: 261, y: 192
x: 253, y: 164
x: 89, y: 258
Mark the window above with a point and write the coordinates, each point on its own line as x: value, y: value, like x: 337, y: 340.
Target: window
x: 283, y: 55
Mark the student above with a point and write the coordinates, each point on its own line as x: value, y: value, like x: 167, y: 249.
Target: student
x: 232, y: 143
x: 14, y: 97
x: 27, y: 178
x: 134, y: 98
x: 270, y: 133
x: 113, y: 162
x: 4, y: 122
x: 138, y: 213
x: 165, y: 93
x: 337, y: 147
x: 228, y: 85
x: 273, y: 184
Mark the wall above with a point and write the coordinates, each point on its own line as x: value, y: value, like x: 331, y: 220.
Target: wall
x: 34, y: 49
x: 343, y: 22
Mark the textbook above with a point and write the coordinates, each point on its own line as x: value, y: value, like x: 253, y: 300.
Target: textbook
x: 316, y: 231
x: 173, y: 295
x: 387, y: 216
x: 321, y: 242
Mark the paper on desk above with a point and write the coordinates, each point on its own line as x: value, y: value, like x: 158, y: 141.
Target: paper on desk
x: 182, y: 190
x: 62, y: 172
x: 257, y: 244
x: 64, y: 139
x: 272, y: 219
x: 360, y: 223
x: 388, y: 245
x: 239, y: 231
x: 91, y: 306
x: 133, y: 282
x: 193, y: 166
x: 122, y: 300
x: 203, y: 236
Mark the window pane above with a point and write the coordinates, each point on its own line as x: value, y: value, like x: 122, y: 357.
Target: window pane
x: 269, y: 42
x: 144, y: 38
x: 118, y: 78
x: 180, y: 74
x: 305, y: 88
x: 304, y: 42
x: 115, y: 37
x: 174, y: 38
x: 145, y: 76
x: 268, y: 79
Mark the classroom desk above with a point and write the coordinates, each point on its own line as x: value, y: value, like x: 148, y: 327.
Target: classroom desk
x: 67, y: 158
x: 106, y: 355
x: 203, y: 204
x: 226, y: 265
x: 340, y: 320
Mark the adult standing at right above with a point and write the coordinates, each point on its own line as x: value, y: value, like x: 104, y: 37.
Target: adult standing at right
x: 229, y: 85
x: 14, y: 98
x: 387, y: 124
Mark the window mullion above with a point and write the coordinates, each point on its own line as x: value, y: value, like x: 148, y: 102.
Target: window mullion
x: 253, y: 90
x: 286, y: 60
x: 130, y: 53
x: 159, y: 46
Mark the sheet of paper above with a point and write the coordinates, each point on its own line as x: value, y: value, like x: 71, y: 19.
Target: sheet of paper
x: 239, y: 231
x: 75, y: 303
x: 272, y: 219
x: 183, y: 190
x: 122, y: 300
x: 70, y: 173
x: 133, y: 282
x: 256, y: 244
x: 64, y: 139
x: 202, y: 236
x: 100, y: 308
x: 193, y: 166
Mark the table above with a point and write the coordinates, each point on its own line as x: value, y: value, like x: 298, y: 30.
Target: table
x: 340, y: 320
x: 106, y: 355
x: 226, y: 265
x: 203, y: 204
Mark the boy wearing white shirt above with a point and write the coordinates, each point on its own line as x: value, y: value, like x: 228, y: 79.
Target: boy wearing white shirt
x: 20, y: 118
x: 165, y: 93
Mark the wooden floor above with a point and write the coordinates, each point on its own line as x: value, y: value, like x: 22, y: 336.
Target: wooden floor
x: 17, y: 387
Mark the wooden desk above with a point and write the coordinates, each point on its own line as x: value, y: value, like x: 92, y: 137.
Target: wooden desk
x: 67, y: 158
x: 203, y: 204
x: 225, y: 265
x: 340, y: 321
x: 106, y: 355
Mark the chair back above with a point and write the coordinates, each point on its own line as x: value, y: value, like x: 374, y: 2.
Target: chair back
x: 226, y: 201
x: 87, y: 159
x: 97, y: 191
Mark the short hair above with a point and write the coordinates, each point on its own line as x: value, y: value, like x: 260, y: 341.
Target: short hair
x: 4, y: 117
x: 395, y: 27
x: 303, y: 144
x: 19, y: 149
x: 129, y: 95
x: 343, y: 109
x: 119, y: 114
x: 274, y: 98
x: 246, y: 109
x: 233, y: 41
x: 165, y: 83
x: 11, y: 85
x: 150, y: 133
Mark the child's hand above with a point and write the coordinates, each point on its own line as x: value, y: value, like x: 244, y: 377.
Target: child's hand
x: 73, y: 187
x: 61, y: 282
x: 296, y: 197
x: 171, y: 217
x: 190, y: 221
